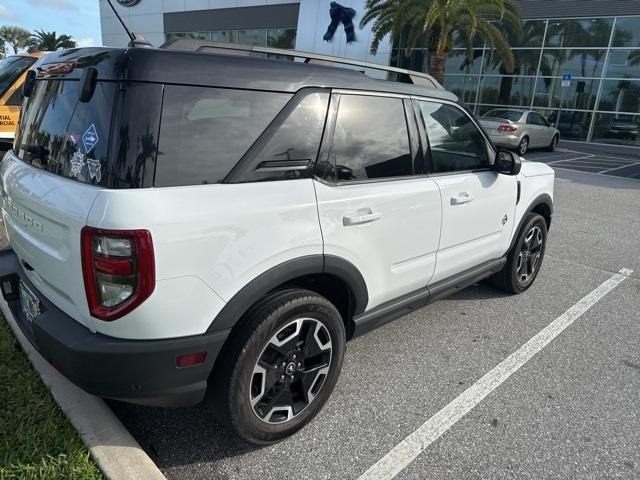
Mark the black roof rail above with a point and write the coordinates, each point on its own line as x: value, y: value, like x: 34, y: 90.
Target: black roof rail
x: 206, y: 46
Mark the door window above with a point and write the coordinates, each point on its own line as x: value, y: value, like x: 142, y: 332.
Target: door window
x: 536, y: 119
x: 455, y: 142
x: 371, y: 139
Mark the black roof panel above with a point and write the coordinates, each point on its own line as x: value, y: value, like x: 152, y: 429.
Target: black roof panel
x: 223, y: 70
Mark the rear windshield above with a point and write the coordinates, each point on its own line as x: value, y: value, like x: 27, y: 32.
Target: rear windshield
x: 10, y: 70
x: 512, y: 115
x: 64, y: 136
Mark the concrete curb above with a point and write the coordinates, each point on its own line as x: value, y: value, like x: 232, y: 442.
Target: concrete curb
x: 111, y: 446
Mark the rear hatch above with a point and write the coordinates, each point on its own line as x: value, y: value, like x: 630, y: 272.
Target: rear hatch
x: 51, y: 179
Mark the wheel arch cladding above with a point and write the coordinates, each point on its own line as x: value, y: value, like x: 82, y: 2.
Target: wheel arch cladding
x: 333, y: 277
x: 542, y: 205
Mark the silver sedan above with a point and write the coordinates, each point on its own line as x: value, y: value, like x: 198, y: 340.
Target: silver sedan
x: 519, y: 130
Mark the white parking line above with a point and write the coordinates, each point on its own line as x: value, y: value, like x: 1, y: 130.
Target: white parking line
x: 623, y: 166
x: 408, y: 449
x: 570, y: 159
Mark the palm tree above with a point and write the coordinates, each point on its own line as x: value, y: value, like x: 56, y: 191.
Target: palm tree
x: 49, y: 41
x: 435, y: 24
x: 17, y: 37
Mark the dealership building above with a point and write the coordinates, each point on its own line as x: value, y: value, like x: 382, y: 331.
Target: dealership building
x: 593, y: 44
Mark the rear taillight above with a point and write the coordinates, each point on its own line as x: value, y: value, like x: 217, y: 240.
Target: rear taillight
x: 507, y: 128
x: 119, y: 270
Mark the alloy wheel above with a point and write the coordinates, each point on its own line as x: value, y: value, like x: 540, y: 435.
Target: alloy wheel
x: 290, y: 370
x: 529, y: 256
x: 524, y: 145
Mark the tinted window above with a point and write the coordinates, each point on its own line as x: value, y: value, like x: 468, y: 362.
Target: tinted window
x: 536, y: 119
x: 455, y: 142
x: 371, y: 138
x: 289, y: 148
x: 10, y: 69
x: 65, y: 136
x: 205, y: 131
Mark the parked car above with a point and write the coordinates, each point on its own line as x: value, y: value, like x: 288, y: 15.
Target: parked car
x: 13, y: 70
x: 214, y: 227
x: 519, y: 130
x: 623, y: 128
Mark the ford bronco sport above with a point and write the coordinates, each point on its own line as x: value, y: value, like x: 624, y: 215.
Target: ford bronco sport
x: 190, y: 223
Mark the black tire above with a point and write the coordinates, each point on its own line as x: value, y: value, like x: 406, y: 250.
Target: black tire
x: 554, y: 143
x: 236, y: 378
x: 523, y: 146
x: 511, y: 278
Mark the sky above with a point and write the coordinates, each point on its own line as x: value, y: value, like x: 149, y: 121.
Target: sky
x: 78, y: 18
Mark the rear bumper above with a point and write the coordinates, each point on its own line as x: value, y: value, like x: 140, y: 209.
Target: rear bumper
x: 508, y: 141
x: 136, y: 371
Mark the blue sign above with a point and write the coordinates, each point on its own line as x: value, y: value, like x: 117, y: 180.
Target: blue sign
x: 566, y: 77
x: 90, y: 138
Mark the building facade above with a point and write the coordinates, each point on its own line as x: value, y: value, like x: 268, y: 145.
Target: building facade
x: 595, y: 42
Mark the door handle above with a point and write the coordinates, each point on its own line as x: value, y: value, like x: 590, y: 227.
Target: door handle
x: 461, y: 199
x: 362, y: 216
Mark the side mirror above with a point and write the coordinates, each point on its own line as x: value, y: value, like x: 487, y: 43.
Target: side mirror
x: 507, y: 163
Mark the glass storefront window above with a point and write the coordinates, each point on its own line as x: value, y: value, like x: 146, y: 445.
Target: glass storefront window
x: 281, y: 38
x: 592, y: 32
x: 620, y: 96
x: 627, y: 32
x: 457, y: 62
x: 572, y: 125
x: 623, y: 64
x: 526, y: 63
x: 199, y: 35
x: 580, y: 63
x: 464, y: 86
x: 533, y: 34
x: 616, y: 128
x: 581, y: 94
x: 514, y: 91
x: 418, y: 60
x: 225, y: 36
x: 253, y: 37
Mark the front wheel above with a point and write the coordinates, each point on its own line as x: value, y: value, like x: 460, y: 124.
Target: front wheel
x: 525, y: 258
x: 281, y: 366
x: 554, y: 143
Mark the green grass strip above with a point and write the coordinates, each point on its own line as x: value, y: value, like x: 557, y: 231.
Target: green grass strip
x: 36, y: 439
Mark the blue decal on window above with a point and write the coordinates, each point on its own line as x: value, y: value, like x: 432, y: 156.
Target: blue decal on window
x: 90, y: 138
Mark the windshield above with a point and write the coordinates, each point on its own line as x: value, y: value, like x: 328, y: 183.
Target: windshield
x: 512, y: 115
x: 62, y: 135
x: 10, y: 69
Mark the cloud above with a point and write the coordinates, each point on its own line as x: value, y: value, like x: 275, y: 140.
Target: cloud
x: 6, y: 14
x: 66, y: 4
x: 86, y: 42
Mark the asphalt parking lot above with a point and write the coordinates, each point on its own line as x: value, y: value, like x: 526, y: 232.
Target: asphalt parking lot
x: 602, y: 159
x: 571, y: 411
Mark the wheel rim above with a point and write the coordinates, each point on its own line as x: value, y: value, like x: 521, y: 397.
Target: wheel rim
x: 290, y: 370
x: 529, y: 256
x: 524, y: 144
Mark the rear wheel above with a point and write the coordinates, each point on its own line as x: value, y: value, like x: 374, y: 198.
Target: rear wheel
x: 523, y: 146
x: 554, y: 143
x: 525, y: 258
x: 281, y: 367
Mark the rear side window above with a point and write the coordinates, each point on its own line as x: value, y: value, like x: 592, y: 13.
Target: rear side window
x: 371, y: 139
x: 10, y: 69
x: 64, y: 136
x: 289, y: 147
x: 455, y: 142
x: 205, y: 131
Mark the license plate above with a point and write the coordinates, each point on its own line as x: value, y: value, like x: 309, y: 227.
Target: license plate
x: 30, y: 303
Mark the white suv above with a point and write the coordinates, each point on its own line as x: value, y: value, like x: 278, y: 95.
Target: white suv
x: 190, y: 225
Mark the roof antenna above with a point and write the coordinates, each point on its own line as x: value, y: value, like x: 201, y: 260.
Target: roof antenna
x: 135, y: 39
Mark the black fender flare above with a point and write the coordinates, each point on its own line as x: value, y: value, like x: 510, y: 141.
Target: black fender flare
x: 285, y: 272
x: 545, y: 199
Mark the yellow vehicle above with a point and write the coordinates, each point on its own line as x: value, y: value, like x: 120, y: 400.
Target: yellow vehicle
x: 13, y: 71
